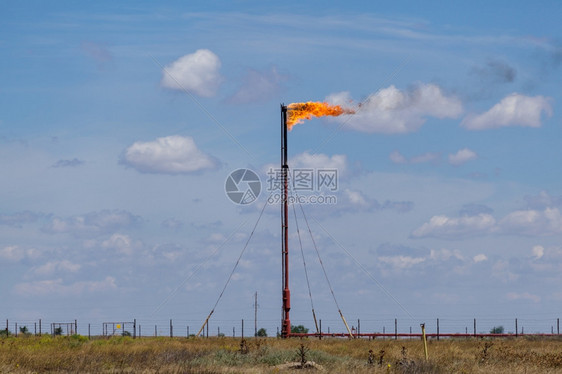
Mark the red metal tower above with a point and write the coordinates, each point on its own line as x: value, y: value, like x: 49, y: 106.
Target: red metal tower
x: 286, y: 293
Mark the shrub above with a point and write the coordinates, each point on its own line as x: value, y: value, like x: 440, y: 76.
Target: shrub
x: 300, y: 329
x: 497, y: 330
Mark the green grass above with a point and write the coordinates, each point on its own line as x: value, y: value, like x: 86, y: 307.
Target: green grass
x: 77, y: 354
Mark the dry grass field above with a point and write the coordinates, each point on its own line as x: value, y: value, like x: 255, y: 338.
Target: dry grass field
x: 77, y: 354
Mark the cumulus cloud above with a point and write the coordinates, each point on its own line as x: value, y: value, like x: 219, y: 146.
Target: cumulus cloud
x: 92, y: 223
x: 397, y: 157
x: 402, y: 259
x: 122, y: 244
x: 196, y: 72
x: 168, y: 155
x: 58, y: 267
x: 538, y: 251
x: 462, y: 156
x: 307, y: 163
x: 513, y: 110
x: 16, y: 253
x: 533, y: 222
x: 258, y: 86
x: 400, y: 262
x: 319, y: 161
x: 58, y: 288
x: 451, y: 228
x: 480, y: 258
x: 520, y: 222
x: 393, y: 111
x: 445, y: 254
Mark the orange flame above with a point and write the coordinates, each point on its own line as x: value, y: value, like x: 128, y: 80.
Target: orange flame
x: 298, y: 112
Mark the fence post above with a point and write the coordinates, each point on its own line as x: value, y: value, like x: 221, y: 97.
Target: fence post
x: 155, y: 331
x: 207, y: 329
x: 233, y: 332
x: 358, y: 327
x: 89, y: 336
x: 171, y: 329
x: 320, y: 337
x: 395, y: 329
x: 516, y: 329
x: 383, y: 333
x: 35, y: 327
x: 474, y: 327
x: 76, y: 326
x: 16, y: 329
x: 7, y: 327
x: 437, y: 328
x: 557, y: 326
x: 134, y: 328
x: 242, y: 328
x: 140, y: 332
x: 39, y: 326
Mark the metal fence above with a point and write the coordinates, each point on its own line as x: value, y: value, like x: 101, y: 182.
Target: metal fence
x: 368, y: 328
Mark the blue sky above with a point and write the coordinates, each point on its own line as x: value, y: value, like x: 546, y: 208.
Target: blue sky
x: 449, y: 188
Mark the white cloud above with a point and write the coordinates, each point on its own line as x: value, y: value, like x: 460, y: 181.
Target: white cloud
x: 533, y: 222
x: 52, y: 267
x: 523, y: 296
x: 196, y: 72
x: 168, y: 155
x: 392, y: 111
x: 446, y: 227
x: 513, y: 110
x: 398, y: 158
x: 319, y: 161
x: 92, y: 223
x: 356, y: 198
x: 538, y: 251
x: 122, y: 244
x: 480, y: 258
x: 445, y: 254
x: 462, y: 156
x: 16, y: 253
x: 57, y: 287
x: 401, y: 262
x: 520, y: 222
